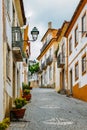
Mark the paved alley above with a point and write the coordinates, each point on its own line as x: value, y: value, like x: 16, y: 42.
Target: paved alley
x: 49, y: 110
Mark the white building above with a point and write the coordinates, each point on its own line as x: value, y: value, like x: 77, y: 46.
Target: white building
x: 1, y: 61
x: 47, y: 58
x: 61, y: 67
x: 12, y: 18
x: 77, y: 52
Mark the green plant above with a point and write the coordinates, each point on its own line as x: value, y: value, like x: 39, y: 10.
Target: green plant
x: 20, y: 102
x: 33, y: 68
x: 26, y: 91
x: 25, y: 86
x: 7, y: 121
x: 4, y: 124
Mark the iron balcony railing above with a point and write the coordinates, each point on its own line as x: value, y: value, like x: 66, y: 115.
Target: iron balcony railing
x: 17, y: 40
x: 60, y: 60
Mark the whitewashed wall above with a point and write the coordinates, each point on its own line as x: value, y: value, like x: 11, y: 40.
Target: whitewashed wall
x: 21, y: 74
x: 8, y: 23
x: 58, y: 70
x: 57, y: 77
x: 1, y: 63
x: 46, y: 81
x: 73, y: 58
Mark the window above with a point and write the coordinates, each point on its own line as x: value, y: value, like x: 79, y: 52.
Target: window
x: 63, y: 53
x: 76, y: 71
x: 70, y: 45
x: 83, y: 24
x: 76, y: 36
x: 84, y: 64
x: 8, y: 67
x: 16, y: 34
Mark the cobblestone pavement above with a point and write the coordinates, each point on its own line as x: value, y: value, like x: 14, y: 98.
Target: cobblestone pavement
x: 51, y: 111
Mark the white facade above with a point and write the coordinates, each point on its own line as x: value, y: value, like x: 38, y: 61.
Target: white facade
x: 63, y: 57
x: 47, y: 76
x: 9, y: 68
x: 47, y: 58
x: 5, y: 36
x: 18, y: 66
x: 8, y: 55
x: 61, y: 65
x: 1, y: 61
x: 78, y: 51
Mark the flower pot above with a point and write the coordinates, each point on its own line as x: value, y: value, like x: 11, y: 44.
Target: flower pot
x: 17, y: 113
x: 28, y: 97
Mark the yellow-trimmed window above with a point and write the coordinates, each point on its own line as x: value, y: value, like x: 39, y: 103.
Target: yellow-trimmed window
x: 76, y: 71
x: 76, y: 36
x: 84, y: 24
x: 83, y: 64
x: 70, y: 45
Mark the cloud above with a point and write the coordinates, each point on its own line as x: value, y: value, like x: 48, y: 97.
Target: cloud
x: 43, y: 11
x: 46, y: 10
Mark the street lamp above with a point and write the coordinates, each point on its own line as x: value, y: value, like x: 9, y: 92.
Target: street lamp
x: 34, y: 33
x: 17, y: 35
x: 19, y: 38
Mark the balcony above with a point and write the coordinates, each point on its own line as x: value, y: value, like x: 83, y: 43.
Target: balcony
x: 17, y: 43
x: 60, y: 61
x: 49, y: 60
x: 44, y: 65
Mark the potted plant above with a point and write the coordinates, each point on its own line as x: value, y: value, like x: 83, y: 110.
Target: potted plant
x: 4, y: 124
x: 18, y: 111
x: 27, y: 94
x: 25, y: 86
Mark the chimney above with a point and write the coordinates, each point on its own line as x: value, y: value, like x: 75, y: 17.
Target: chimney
x: 49, y: 25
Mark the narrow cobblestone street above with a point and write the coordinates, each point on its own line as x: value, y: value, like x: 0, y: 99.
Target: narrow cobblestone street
x: 51, y: 111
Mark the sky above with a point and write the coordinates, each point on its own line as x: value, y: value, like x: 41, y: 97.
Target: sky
x: 40, y: 12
